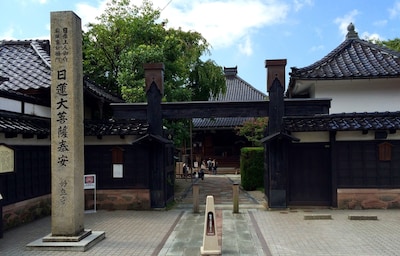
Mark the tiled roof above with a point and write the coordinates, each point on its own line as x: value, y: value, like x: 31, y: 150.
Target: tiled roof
x: 236, y: 90
x: 218, y: 123
x: 25, y: 124
x: 354, y: 58
x: 344, y: 122
x: 27, y: 65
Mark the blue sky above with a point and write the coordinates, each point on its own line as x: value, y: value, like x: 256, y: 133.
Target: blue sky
x: 243, y: 33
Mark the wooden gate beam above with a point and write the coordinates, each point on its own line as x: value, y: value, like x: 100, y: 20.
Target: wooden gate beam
x: 206, y: 109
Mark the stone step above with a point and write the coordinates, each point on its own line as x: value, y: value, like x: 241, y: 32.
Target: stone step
x: 228, y: 170
x: 317, y: 217
x: 363, y: 217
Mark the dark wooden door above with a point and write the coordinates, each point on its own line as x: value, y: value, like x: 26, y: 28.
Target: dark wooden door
x: 309, y: 175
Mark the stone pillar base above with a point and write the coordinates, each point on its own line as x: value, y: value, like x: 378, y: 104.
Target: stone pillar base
x: 51, y: 238
x: 61, y: 243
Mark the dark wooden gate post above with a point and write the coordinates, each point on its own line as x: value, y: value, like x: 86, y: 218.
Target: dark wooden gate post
x: 275, y: 149
x: 275, y: 178
x: 154, y: 80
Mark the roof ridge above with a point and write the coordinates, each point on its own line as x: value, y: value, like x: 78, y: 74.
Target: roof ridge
x: 41, y: 52
x: 24, y: 41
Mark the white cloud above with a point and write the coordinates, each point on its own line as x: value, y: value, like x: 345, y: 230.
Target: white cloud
x: 88, y: 13
x: 222, y: 22
x: 395, y: 10
x: 246, y: 47
x: 373, y: 37
x: 299, y: 4
x: 344, y: 21
x: 380, y: 23
x: 317, y: 48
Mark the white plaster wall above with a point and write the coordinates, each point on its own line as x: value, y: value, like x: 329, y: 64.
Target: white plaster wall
x: 358, y: 136
x: 10, y: 105
x: 341, y: 136
x: 311, y: 136
x: 361, y: 95
x: 37, y: 110
x: 29, y: 108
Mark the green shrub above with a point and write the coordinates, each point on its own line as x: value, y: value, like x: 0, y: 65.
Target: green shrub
x: 252, y: 167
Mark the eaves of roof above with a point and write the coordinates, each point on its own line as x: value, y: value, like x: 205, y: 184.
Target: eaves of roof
x: 15, y: 95
x: 344, y: 122
x: 25, y: 124
x: 115, y: 127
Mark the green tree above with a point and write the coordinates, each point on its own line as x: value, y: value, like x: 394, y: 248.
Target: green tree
x: 253, y: 129
x: 128, y: 36
x: 393, y: 44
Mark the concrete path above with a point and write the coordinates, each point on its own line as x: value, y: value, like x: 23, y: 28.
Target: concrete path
x: 253, y: 231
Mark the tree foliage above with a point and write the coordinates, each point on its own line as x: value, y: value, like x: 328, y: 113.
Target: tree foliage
x: 253, y: 129
x: 128, y: 36
x: 393, y: 44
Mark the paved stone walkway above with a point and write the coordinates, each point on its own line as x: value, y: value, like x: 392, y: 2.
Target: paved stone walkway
x: 253, y: 231
x: 221, y: 187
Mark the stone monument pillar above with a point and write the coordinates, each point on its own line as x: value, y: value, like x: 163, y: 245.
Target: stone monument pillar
x: 67, y: 140
x: 67, y: 135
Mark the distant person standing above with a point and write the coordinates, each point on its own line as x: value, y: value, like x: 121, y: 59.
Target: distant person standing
x: 214, y: 164
x: 202, y: 169
x: 209, y: 165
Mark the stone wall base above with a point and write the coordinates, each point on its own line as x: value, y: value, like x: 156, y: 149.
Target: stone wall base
x: 26, y: 211
x: 116, y: 199
x: 368, y: 198
x: 119, y: 199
